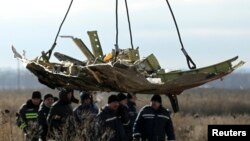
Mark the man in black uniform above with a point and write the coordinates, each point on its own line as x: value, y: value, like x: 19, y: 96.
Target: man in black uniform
x: 60, y: 118
x: 43, y: 112
x: 85, y: 117
x: 109, y: 122
x: 123, y: 112
x: 153, y: 122
x: 87, y: 110
x: 132, y: 114
x: 27, y: 116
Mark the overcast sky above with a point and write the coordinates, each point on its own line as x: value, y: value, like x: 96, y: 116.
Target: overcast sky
x: 212, y: 30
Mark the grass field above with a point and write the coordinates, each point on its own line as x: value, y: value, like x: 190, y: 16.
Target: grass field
x: 199, y: 108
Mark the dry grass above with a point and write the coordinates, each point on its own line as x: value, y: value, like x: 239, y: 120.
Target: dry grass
x: 199, y: 108
x: 193, y: 128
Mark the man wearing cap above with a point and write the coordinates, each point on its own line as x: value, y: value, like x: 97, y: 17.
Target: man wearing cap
x: 27, y: 116
x: 123, y: 112
x: 132, y: 114
x: 60, y: 118
x: 109, y: 122
x: 87, y: 110
x: 43, y: 112
x: 153, y: 122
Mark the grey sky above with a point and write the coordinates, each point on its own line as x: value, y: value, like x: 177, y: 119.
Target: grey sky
x: 212, y: 30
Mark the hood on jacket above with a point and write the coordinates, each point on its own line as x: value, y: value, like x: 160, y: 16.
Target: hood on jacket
x: 63, y: 97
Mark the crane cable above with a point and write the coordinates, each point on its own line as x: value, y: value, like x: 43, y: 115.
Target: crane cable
x: 129, y: 25
x: 117, y: 27
x: 190, y: 62
x: 49, y: 52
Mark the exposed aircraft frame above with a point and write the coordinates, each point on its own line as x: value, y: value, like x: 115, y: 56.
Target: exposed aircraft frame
x: 125, y: 73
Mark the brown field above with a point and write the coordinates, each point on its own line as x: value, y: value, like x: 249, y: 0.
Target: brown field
x: 199, y: 108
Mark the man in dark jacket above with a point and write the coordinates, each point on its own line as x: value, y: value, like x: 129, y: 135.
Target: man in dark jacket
x: 132, y: 114
x: 60, y: 118
x: 43, y: 112
x: 27, y: 116
x: 85, y: 117
x: 123, y: 112
x: 87, y: 110
x: 153, y: 122
x: 108, y: 122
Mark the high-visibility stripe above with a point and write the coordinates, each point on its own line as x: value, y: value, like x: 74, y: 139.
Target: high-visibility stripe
x: 31, y: 114
x: 136, y: 134
x: 23, y: 125
x: 148, y: 116
x: 110, y: 119
x: 163, y: 116
x: 31, y: 117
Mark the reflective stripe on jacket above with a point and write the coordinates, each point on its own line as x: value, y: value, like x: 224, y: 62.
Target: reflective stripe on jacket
x: 154, y: 125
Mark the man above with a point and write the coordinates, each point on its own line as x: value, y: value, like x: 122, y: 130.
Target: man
x: 27, y: 116
x: 43, y: 112
x: 132, y: 114
x: 108, y: 122
x: 123, y: 112
x: 153, y: 122
x: 60, y: 118
x: 87, y: 109
x: 85, y: 117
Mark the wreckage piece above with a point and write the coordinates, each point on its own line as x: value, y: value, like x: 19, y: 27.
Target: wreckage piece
x: 197, y: 77
x: 114, y: 78
x: 124, y: 72
x: 174, y: 102
x: 106, y: 77
x: 84, y: 49
x: 65, y: 58
x: 128, y: 73
x: 95, y: 43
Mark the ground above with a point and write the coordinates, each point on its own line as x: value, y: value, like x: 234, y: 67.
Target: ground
x: 199, y: 108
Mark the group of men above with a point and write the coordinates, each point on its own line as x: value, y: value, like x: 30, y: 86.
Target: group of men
x: 117, y: 121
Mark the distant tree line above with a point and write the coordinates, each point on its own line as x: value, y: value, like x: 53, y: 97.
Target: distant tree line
x: 232, y: 81
x: 11, y: 79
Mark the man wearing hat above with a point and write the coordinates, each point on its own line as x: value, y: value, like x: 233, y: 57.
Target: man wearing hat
x: 153, y: 122
x: 109, y: 124
x: 60, y: 118
x: 87, y: 110
x: 27, y: 116
x: 132, y: 114
x: 123, y: 112
x: 43, y: 112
